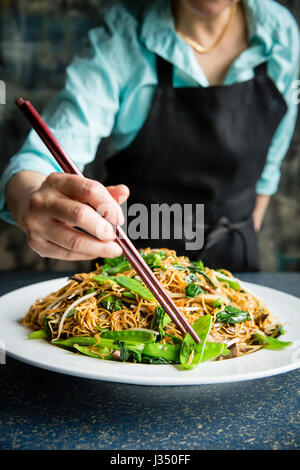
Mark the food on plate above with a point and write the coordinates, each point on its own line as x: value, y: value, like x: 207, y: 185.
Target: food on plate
x: 110, y: 314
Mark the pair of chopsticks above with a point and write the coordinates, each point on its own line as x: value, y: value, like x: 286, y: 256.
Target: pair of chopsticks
x: 131, y: 253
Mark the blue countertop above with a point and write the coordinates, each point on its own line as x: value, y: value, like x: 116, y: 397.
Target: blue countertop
x: 45, y: 410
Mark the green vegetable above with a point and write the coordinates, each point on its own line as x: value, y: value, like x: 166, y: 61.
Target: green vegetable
x: 102, y: 279
x: 167, y: 352
x: 232, y: 315
x: 226, y: 351
x: 119, y: 264
x: 154, y: 259
x: 174, y: 338
x: 179, y: 267
x: 119, y: 268
x: 160, y: 320
x: 129, y: 283
x: 191, y: 278
x: 130, y: 335
x: 217, y: 303
x: 72, y: 312
x: 128, y: 294
x: 47, y: 327
x: 98, y: 353
x: 135, y: 286
x: 191, y: 353
x: 125, y: 355
x: 231, y: 281
x: 272, y: 343
x: 102, y: 330
x: 80, y: 340
x: 198, y: 264
x: 192, y: 290
x: 130, y: 352
x: 111, y: 303
x: 214, y: 350
x: 196, y: 267
x: 156, y: 360
x: 208, y: 278
x: 115, y: 265
x: 89, y: 341
x: 38, y: 334
x: 277, y: 331
x: 112, y: 262
x: 203, y: 273
x: 89, y: 291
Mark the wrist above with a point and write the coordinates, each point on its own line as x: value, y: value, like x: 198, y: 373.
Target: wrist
x: 18, y: 191
x: 262, y: 202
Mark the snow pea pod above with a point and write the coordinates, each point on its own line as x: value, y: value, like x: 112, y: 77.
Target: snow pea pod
x: 129, y: 295
x: 114, y: 261
x: 231, y: 281
x: 132, y: 352
x: 135, y: 286
x: 272, y: 343
x: 169, y: 352
x: 119, y: 268
x: 98, y: 353
x: 191, y: 353
x: 38, y: 334
x: 130, y: 335
x: 129, y: 283
x: 101, y: 279
x: 89, y: 341
x: 214, y: 350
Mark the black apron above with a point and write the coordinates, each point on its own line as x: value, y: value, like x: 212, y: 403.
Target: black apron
x: 204, y: 145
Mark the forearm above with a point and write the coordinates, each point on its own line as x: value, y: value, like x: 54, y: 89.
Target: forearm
x: 18, y: 191
x: 261, y: 205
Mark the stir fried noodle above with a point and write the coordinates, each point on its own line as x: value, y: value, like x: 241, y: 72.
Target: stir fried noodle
x: 113, y: 298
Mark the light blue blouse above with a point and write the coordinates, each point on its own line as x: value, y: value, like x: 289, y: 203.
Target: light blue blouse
x: 111, y: 84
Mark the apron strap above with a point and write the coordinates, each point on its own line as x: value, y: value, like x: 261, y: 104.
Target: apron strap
x: 164, y: 72
x: 224, y: 226
x: 261, y: 69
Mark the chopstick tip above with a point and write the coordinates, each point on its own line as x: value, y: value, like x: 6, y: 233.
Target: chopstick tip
x: 19, y: 101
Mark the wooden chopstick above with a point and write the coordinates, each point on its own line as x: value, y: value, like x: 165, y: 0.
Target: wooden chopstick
x: 129, y: 250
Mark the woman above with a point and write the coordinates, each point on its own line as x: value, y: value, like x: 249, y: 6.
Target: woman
x: 197, y: 98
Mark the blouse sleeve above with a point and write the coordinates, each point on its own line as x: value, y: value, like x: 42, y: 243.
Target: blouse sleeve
x: 79, y: 116
x: 283, y: 68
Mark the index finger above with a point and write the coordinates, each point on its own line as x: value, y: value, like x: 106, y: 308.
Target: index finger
x: 91, y: 192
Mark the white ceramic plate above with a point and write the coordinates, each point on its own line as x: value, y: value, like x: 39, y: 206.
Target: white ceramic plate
x: 263, y: 363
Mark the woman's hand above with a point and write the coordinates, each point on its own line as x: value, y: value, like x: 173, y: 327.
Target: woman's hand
x: 48, y: 209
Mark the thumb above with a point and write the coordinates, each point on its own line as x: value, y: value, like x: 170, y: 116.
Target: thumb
x: 120, y: 192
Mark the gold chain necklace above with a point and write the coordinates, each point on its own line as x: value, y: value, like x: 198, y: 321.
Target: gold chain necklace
x: 203, y: 50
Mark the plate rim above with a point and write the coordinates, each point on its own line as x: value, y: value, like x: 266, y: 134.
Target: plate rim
x: 153, y: 381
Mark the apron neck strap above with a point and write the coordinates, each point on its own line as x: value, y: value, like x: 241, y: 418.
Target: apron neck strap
x: 164, y: 72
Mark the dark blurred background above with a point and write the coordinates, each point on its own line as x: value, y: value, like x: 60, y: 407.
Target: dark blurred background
x: 38, y: 39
